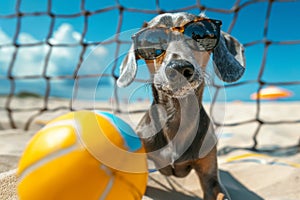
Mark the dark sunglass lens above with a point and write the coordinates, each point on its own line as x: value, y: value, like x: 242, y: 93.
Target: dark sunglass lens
x: 202, y: 35
x: 152, y: 43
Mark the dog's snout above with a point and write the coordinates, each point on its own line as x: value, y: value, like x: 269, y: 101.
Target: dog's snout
x: 179, y: 68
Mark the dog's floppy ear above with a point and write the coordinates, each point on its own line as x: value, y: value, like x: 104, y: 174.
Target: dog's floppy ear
x: 228, y: 57
x: 128, y: 69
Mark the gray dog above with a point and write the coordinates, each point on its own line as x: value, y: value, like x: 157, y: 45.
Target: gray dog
x: 176, y: 131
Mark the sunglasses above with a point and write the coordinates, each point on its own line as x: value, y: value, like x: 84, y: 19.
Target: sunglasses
x: 201, y: 34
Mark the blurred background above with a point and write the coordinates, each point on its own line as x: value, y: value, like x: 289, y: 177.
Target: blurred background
x: 72, y: 50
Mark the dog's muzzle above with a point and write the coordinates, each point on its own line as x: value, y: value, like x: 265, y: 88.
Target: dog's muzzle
x: 179, y: 71
x: 181, y: 78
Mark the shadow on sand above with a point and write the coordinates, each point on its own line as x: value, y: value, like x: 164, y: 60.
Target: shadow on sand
x: 236, y: 190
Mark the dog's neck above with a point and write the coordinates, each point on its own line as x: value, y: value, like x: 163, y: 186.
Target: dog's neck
x: 178, y: 113
x: 173, y: 126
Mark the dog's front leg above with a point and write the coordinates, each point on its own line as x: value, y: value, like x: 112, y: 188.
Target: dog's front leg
x: 207, y: 172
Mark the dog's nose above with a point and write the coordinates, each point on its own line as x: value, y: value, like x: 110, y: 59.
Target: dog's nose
x: 179, y: 68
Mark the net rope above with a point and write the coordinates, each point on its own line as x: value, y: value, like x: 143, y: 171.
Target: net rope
x: 86, y: 14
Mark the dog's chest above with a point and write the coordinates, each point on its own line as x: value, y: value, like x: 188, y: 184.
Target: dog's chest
x: 175, y: 136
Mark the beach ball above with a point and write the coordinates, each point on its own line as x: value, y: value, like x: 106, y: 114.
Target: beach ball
x: 83, y: 155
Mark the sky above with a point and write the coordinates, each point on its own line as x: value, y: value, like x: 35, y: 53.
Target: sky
x: 281, y: 64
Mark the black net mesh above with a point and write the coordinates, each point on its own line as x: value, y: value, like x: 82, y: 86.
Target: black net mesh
x: 120, y: 10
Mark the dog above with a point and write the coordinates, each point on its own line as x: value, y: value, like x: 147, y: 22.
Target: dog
x: 176, y: 131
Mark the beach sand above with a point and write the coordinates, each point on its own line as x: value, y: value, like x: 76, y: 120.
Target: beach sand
x: 246, y: 174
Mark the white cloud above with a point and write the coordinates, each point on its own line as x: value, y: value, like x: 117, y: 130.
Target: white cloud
x: 63, y: 60
x: 4, y: 39
x: 92, y: 61
x: 30, y: 60
x: 5, y: 53
x: 65, y: 34
x: 26, y: 38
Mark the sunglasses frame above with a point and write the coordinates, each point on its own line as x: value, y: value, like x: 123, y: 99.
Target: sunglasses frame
x: 181, y: 29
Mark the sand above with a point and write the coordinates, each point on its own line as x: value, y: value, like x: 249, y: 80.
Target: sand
x: 246, y: 174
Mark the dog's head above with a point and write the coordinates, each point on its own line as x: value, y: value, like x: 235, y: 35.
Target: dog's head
x: 177, y: 48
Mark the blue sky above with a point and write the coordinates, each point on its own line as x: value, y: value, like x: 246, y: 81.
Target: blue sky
x: 281, y: 64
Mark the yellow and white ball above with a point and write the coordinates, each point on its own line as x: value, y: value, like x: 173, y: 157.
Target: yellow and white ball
x: 83, y: 155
